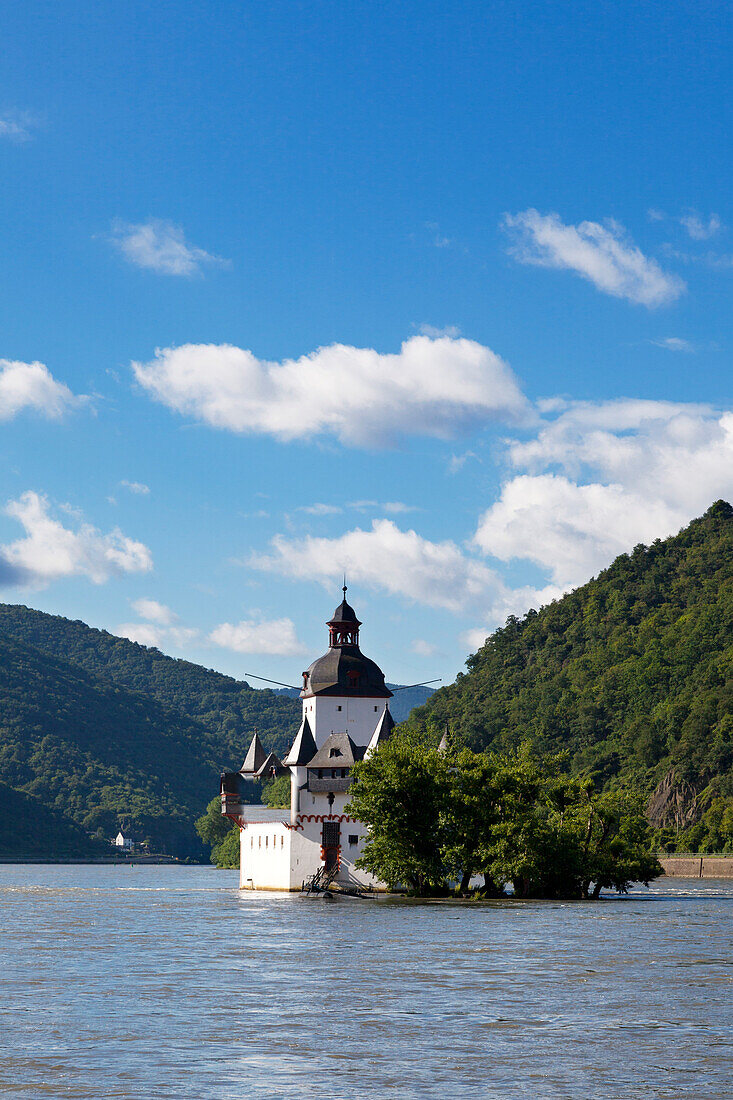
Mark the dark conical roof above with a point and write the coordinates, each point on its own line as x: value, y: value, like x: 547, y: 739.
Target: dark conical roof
x: 383, y: 730
x: 304, y: 746
x: 255, y: 757
x: 270, y: 766
x: 344, y: 613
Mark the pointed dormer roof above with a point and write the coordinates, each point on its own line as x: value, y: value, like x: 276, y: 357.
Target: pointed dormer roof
x: 271, y: 764
x: 304, y: 746
x: 255, y: 757
x: 444, y: 741
x: 383, y: 731
x: 337, y: 751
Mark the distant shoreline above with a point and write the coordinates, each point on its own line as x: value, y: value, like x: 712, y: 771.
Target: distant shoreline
x: 106, y: 861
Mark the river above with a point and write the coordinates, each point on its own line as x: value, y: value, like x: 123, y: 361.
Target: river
x: 159, y: 982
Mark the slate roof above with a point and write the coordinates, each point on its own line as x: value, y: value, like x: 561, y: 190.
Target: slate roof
x: 263, y: 814
x: 344, y: 613
x: 255, y: 757
x: 344, y: 670
x: 271, y: 763
x: 342, y: 745
x: 383, y: 731
x: 304, y: 746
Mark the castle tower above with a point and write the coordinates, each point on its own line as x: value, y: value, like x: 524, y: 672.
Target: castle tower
x: 345, y: 716
x: 343, y: 691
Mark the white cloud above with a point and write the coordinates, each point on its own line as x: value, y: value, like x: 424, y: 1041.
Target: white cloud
x: 137, y: 487
x: 422, y: 648
x: 161, y: 628
x: 154, y: 612
x: 605, y: 477
x: 276, y: 636
x: 142, y: 633
x: 320, y: 509
x: 435, y: 331
x: 17, y: 125
x: 674, y: 343
x: 571, y: 530
x: 160, y: 246
x: 398, y: 507
x: 457, y: 462
x: 51, y: 551
x: 602, y: 254
x: 385, y: 558
x: 442, y: 387
x: 698, y: 229
x: 32, y: 386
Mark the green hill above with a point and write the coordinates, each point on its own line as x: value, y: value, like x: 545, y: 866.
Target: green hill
x: 632, y: 673
x: 29, y: 828
x: 227, y: 707
x: 111, y: 734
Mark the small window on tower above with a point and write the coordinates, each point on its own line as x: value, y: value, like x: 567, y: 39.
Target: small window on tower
x: 338, y: 708
x: 353, y: 838
x: 375, y: 708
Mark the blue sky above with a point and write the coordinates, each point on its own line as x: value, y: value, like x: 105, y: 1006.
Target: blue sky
x: 442, y: 297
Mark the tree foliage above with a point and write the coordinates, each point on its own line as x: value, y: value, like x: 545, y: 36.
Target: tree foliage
x: 221, y: 834
x: 513, y: 818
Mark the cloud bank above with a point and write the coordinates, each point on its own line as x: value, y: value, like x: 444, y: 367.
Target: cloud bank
x: 601, y: 254
x: 275, y: 636
x: 601, y: 478
x: 51, y: 551
x: 432, y: 387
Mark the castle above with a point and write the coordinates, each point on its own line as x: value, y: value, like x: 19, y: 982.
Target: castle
x: 345, y: 716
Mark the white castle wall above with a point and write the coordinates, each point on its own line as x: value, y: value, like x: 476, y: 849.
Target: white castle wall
x: 275, y: 856
x: 356, y: 716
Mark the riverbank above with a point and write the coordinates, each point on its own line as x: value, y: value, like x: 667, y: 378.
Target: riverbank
x: 108, y: 861
x: 697, y: 866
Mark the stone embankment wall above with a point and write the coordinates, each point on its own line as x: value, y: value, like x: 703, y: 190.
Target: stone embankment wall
x: 698, y: 866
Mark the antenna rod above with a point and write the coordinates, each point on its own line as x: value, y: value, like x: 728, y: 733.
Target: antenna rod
x: 404, y: 687
x: 251, y: 676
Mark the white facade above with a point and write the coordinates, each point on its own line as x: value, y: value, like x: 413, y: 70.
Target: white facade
x: 274, y: 855
x: 354, y: 715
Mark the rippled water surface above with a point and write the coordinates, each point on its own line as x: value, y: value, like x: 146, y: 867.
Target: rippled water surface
x: 157, y: 982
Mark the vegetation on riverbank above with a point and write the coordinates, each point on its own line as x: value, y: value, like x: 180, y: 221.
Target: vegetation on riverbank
x: 631, y: 674
x: 439, y: 817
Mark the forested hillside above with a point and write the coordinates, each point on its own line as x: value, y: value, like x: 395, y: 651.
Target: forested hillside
x: 101, y: 755
x: 29, y: 828
x: 224, y: 705
x: 108, y: 734
x: 632, y: 673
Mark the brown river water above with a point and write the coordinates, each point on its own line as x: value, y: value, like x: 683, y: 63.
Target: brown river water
x: 159, y: 982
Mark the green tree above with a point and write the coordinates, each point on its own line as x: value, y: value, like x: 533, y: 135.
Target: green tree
x: 220, y: 833
x: 515, y: 818
x: 398, y: 792
x: 276, y: 792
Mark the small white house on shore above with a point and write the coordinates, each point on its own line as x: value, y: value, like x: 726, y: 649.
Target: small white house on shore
x: 345, y: 716
x: 124, y: 842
